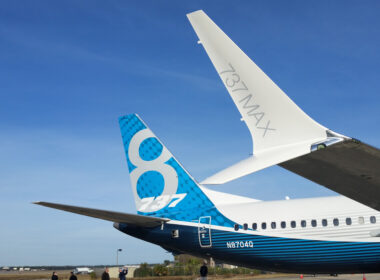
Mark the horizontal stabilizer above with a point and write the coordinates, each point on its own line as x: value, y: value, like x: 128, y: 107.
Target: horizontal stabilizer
x: 118, y: 217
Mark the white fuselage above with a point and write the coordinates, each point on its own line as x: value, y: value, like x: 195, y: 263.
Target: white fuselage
x: 310, y: 218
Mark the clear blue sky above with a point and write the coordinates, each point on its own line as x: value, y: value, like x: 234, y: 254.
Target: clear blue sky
x: 69, y: 69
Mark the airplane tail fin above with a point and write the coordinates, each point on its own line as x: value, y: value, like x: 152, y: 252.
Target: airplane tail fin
x: 161, y: 186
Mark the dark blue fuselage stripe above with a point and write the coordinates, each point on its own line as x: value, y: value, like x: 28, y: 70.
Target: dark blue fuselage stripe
x: 268, y: 252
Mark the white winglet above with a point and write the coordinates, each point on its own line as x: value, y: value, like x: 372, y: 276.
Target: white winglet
x: 279, y: 128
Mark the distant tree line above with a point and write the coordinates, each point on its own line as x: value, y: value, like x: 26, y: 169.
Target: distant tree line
x: 190, y: 268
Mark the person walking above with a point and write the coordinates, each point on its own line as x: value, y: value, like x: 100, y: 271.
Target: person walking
x: 54, y: 276
x: 72, y: 276
x: 203, y: 271
x: 105, y: 275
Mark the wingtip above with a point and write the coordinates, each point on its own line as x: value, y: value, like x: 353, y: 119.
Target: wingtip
x: 194, y: 13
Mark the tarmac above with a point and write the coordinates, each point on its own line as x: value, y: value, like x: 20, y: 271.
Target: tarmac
x: 325, y: 277
x: 65, y: 274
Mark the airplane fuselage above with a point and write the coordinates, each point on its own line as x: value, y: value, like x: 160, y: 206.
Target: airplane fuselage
x: 318, y: 235
x: 316, y: 240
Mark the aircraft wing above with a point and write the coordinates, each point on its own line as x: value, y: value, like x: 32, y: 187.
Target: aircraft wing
x: 351, y: 168
x: 282, y: 133
x: 118, y: 217
x: 279, y: 128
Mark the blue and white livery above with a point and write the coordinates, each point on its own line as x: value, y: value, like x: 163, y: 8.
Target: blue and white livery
x: 319, y: 235
x: 316, y: 235
x: 161, y: 186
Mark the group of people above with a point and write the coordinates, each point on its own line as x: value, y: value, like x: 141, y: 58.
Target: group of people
x: 122, y: 274
x: 55, y: 276
x: 124, y: 271
x: 105, y: 276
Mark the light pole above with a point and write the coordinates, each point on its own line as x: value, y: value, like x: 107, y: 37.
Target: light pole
x: 117, y: 256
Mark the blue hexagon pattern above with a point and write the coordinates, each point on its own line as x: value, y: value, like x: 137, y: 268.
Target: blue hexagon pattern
x: 150, y: 184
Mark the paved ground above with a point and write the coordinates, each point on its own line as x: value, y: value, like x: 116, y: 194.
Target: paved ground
x: 340, y: 277
x: 65, y: 275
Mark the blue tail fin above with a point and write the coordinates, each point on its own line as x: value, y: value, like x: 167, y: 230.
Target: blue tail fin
x: 161, y: 186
